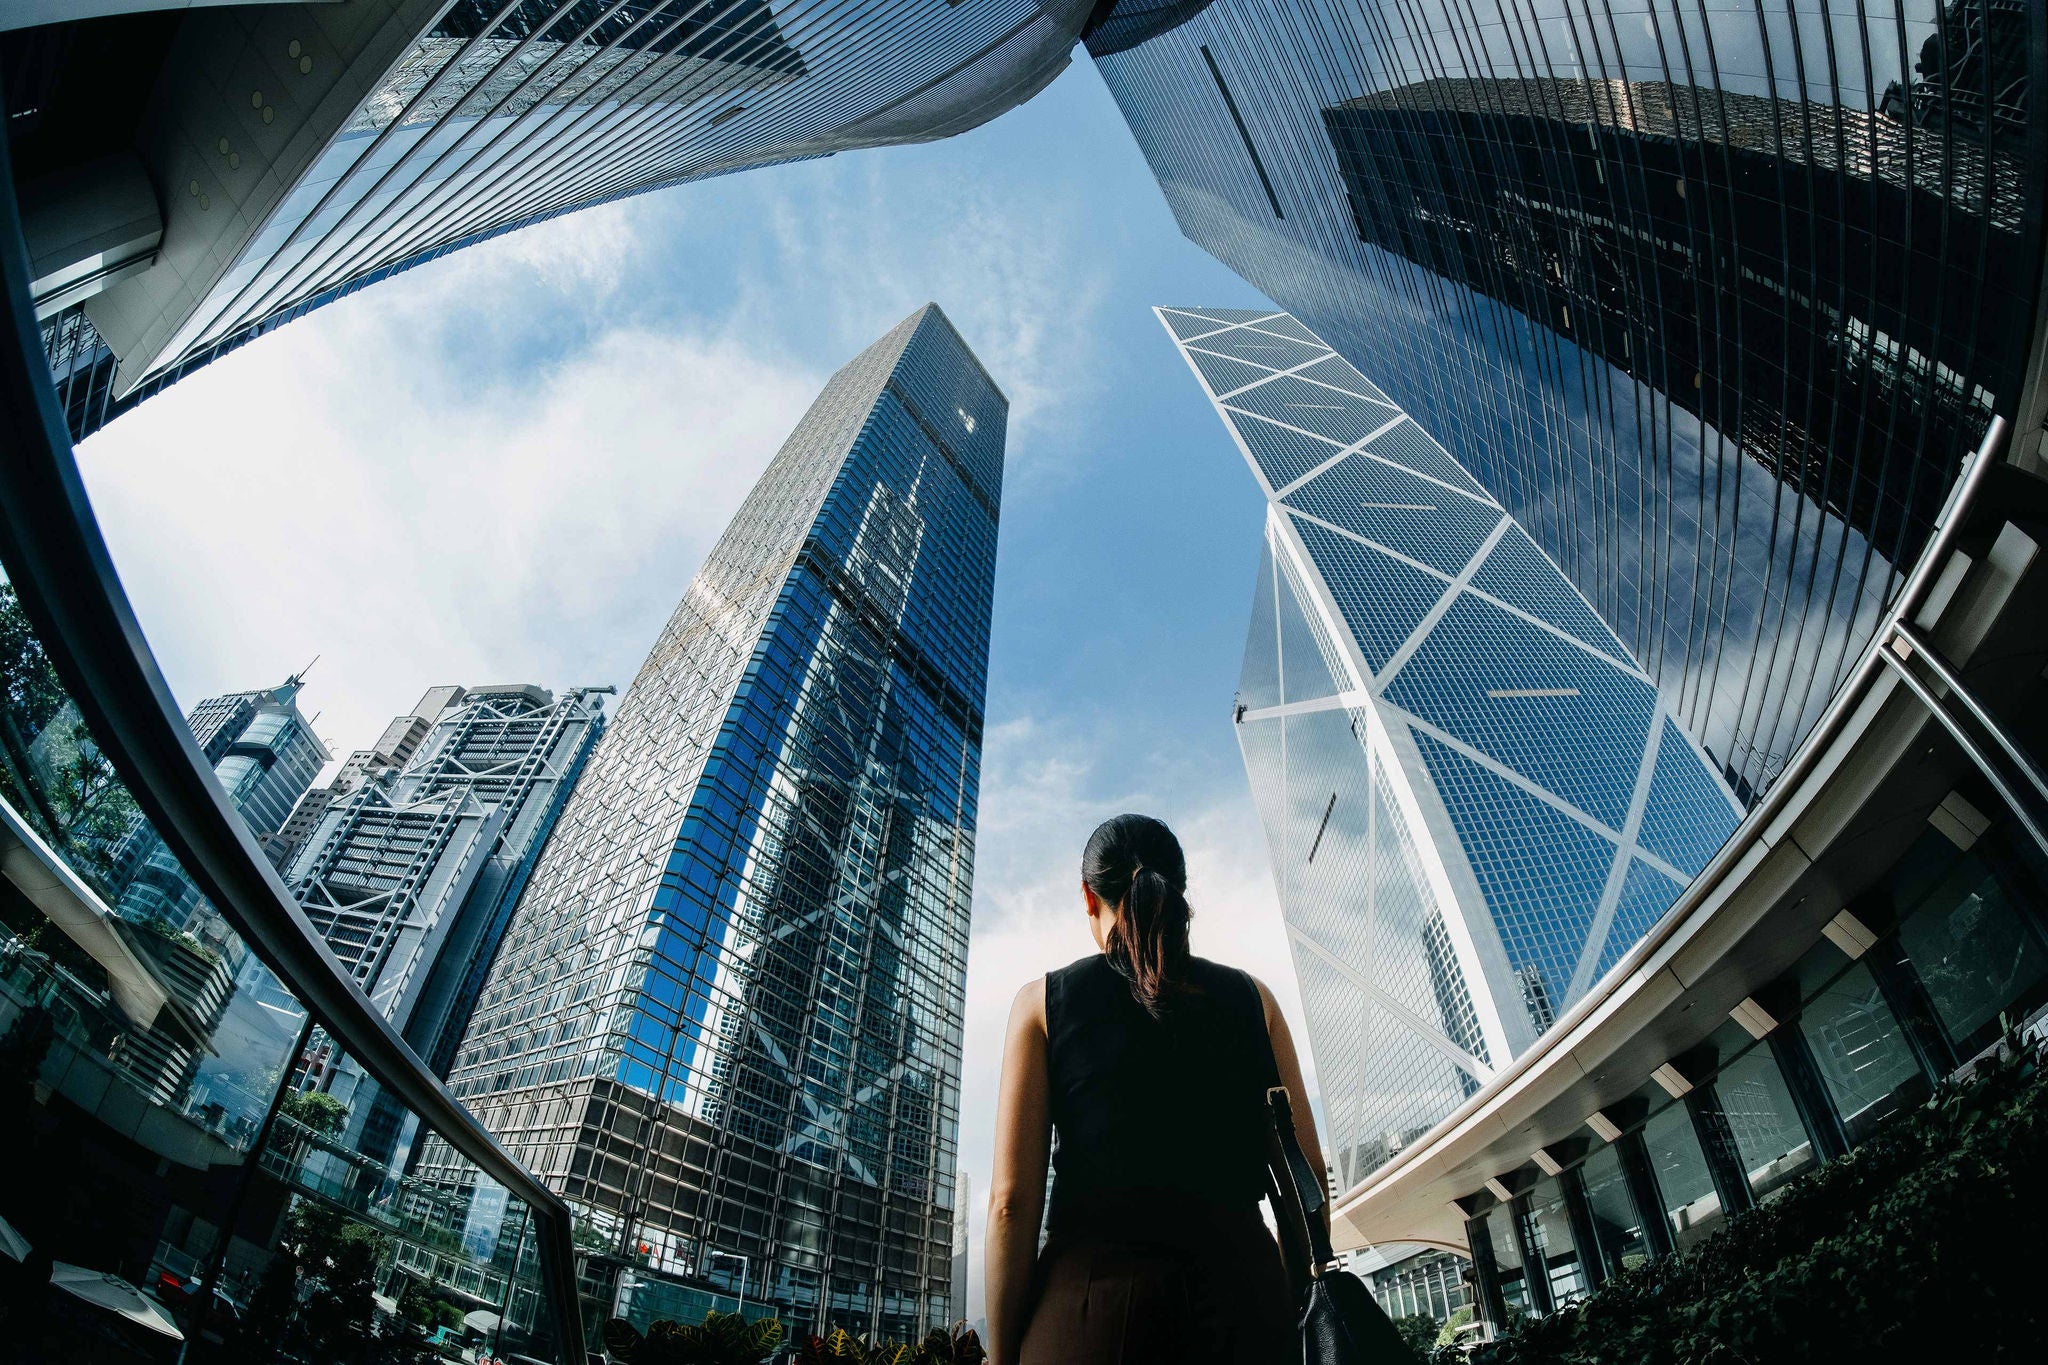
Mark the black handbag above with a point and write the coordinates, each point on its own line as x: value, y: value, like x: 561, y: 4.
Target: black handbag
x: 1341, y: 1322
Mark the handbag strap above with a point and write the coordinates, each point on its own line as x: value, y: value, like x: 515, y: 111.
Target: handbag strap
x: 1294, y: 1181
x: 1301, y: 1180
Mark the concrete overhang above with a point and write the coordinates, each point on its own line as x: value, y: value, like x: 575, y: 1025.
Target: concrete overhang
x: 1856, y: 793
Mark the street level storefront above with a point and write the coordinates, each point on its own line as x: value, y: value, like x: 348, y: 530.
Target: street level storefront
x: 1875, y: 924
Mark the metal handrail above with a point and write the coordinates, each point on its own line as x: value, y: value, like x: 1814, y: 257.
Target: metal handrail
x: 1946, y: 673
x: 59, y: 565
x: 1912, y: 594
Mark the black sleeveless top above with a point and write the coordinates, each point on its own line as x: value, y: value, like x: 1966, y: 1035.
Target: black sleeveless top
x: 1174, y: 1105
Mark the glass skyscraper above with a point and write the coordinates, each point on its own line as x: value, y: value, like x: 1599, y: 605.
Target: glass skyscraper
x: 1474, y: 797
x: 283, y: 155
x: 217, y: 1055
x: 1714, y: 299
x: 726, y: 1020
x: 412, y: 877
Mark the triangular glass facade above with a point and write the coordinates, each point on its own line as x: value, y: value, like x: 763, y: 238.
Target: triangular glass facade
x: 1475, y: 799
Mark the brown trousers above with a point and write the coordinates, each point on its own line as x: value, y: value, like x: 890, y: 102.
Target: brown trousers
x: 1191, y: 1287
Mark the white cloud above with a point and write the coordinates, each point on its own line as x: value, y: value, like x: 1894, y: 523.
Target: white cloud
x: 1006, y: 269
x: 343, y: 488
x: 1045, y: 786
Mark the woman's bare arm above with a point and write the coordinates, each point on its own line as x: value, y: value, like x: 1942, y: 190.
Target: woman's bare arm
x: 1016, y: 1197
x: 1297, y: 1090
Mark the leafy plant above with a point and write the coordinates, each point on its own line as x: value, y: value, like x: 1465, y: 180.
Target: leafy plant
x: 961, y: 1346
x: 721, y: 1339
x: 725, y: 1339
x: 1418, y: 1332
x: 1916, y: 1246
x: 316, y: 1109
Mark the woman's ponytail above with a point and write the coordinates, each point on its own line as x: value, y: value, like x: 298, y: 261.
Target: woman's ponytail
x: 1134, y: 863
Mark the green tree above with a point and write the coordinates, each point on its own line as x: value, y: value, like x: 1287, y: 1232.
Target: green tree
x: 1419, y: 1332
x: 1449, y: 1334
x: 337, y: 1259
x: 316, y: 1109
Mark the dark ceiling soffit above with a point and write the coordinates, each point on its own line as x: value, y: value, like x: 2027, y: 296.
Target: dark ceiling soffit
x: 60, y: 567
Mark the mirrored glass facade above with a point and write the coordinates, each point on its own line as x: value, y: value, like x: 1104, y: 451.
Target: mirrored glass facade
x: 1714, y: 299
x: 151, y: 1072
x: 726, y: 1020
x: 1475, y: 799
x: 302, y: 152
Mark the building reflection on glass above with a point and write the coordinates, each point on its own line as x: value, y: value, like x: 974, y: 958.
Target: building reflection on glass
x: 1715, y: 302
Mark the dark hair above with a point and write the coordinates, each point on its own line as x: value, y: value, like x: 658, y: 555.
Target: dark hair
x: 1134, y: 863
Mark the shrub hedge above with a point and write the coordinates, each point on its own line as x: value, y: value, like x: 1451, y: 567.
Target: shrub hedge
x: 1924, y: 1245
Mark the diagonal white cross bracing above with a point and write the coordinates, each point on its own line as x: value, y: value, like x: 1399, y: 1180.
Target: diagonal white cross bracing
x: 1510, y: 608
x: 1399, y: 1012
x: 1336, y: 701
x: 1537, y: 790
x: 1219, y: 327
x: 1617, y: 875
x: 1293, y: 371
x: 1359, y: 449
x: 1443, y: 604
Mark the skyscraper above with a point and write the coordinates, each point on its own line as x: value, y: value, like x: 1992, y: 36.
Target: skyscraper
x: 1474, y: 798
x: 195, y: 179
x: 1714, y: 301
x: 725, y: 1022
x: 265, y: 754
x: 412, y: 876
x: 216, y: 1054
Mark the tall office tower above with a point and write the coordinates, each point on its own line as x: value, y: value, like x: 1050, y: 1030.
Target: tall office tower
x: 1715, y: 301
x: 963, y: 1227
x: 214, y: 1054
x: 1475, y: 800
x: 726, y: 1021
x: 381, y: 759
x: 196, y: 178
x: 412, y: 877
x: 265, y: 754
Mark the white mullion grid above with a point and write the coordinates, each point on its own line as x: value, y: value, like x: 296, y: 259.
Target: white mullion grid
x: 1541, y: 793
x: 1443, y: 604
x: 1508, y: 607
x: 1358, y: 448
x: 1288, y: 371
x: 1350, y: 697
x: 1220, y: 326
x: 1617, y: 875
x: 1397, y: 1011
x: 1355, y: 679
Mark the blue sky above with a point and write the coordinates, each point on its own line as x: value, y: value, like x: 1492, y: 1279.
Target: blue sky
x: 505, y: 466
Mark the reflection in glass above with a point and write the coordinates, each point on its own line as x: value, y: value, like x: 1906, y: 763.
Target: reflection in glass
x: 1615, y: 1222
x: 1963, y: 927
x: 1507, y: 1261
x: 1864, y: 1060
x: 1549, y: 1229
x: 1769, y: 1139
x: 142, y: 1058
x: 1683, y: 1181
x: 1714, y: 303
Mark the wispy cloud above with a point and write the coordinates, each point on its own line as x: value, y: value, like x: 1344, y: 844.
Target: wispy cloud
x: 1009, y: 272
x: 359, y: 489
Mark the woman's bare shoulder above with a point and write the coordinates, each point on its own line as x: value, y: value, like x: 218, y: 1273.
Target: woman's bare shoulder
x: 1029, y: 1005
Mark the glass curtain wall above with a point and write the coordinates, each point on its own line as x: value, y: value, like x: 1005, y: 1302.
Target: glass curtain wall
x: 154, y: 1124
x: 1968, y: 943
x: 1714, y: 298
